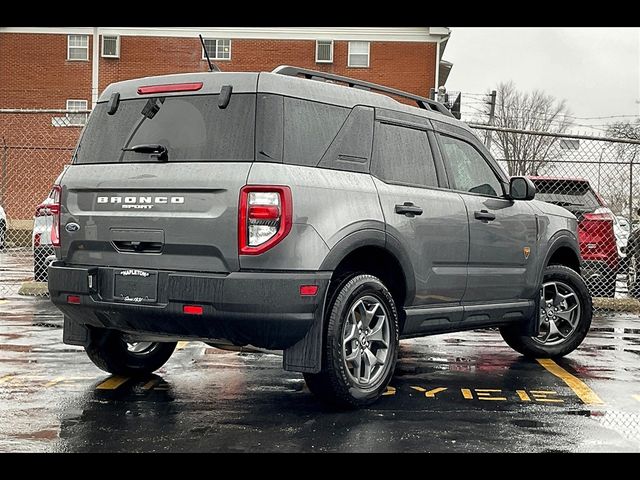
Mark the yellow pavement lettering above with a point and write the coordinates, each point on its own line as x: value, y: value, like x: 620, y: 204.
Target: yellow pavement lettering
x: 55, y: 381
x: 7, y: 378
x: 389, y: 391
x: 112, y: 383
x: 430, y: 393
x: 466, y: 393
x: 543, y: 396
x: 485, y: 394
x: 151, y: 383
x: 588, y: 396
x: 523, y: 395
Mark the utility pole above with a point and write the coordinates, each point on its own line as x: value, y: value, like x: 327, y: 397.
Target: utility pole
x: 492, y: 114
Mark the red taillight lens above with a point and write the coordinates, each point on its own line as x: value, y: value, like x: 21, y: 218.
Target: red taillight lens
x: 73, y: 299
x: 264, y: 217
x: 173, y: 87
x: 54, y: 208
x: 192, y: 309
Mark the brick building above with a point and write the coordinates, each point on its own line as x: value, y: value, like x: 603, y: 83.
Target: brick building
x: 66, y: 68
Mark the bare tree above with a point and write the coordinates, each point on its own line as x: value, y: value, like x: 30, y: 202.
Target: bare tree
x: 625, y: 153
x: 538, y: 111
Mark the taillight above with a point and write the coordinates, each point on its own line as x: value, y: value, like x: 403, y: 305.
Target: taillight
x: 264, y: 217
x: 54, y: 208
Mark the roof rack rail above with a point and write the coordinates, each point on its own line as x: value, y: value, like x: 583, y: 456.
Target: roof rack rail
x: 422, y: 102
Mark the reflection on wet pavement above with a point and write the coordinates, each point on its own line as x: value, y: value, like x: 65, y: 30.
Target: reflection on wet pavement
x: 459, y: 392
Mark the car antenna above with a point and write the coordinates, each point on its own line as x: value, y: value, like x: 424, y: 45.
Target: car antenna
x: 212, y: 66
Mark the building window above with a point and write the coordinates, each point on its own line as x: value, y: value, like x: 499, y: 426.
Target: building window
x: 77, y: 47
x: 77, y: 119
x: 358, y: 54
x: 111, y: 46
x: 324, y: 51
x: 219, y: 49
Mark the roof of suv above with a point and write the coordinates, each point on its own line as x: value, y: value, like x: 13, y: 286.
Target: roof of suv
x: 267, y: 82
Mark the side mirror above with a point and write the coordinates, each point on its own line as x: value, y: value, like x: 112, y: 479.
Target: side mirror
x: 521, y: 188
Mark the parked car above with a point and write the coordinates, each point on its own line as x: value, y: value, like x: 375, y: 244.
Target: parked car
x: 288, y: 213
x: 43, y: 253
x: 3, y: 228
x: 621, y: 230
x: 599, y: 247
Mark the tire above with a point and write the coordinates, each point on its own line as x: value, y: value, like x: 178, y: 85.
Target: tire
x: 633, y: 274
x: 357, y: 383
x: 3, y: 234
x: 109, y: 352
x: 40, y: 273
x: 572, y: 324
x: 605, y: 286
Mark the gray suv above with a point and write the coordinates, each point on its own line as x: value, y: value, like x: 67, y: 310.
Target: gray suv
x: 306, y: 212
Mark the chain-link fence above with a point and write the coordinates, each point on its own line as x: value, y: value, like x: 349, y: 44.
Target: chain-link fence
x: 34, y: 147
x: 595, y: 178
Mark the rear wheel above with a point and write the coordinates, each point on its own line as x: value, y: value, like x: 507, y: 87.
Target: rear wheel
x: 3, y: 234
x: 361, y: 344
x: 564, y: 316
x: 110, y: 352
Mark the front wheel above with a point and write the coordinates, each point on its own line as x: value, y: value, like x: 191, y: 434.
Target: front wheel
x: 564, y: 316
x: 110, y: 352
x: 361, y: 344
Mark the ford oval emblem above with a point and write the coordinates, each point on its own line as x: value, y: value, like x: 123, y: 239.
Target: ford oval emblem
x: 72, y: 227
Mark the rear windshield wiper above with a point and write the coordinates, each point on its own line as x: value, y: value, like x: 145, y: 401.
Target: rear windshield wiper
x: 155, y: 150
x: 566, y: 204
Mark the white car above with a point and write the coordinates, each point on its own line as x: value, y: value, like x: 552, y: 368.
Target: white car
x: 43, y: 253
x: 621, y: 230
x: 3, y: 228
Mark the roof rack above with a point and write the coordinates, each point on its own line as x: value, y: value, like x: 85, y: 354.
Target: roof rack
x: 422, y: 102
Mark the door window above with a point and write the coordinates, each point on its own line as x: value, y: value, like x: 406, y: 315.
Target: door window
x: 469, y: 171
x: 403, y: 155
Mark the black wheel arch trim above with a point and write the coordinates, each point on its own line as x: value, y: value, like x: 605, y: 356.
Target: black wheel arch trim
x: 373, y: 238
x: 559, y: 240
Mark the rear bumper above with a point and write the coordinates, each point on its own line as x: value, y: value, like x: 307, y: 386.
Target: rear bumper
x: 258, y: 308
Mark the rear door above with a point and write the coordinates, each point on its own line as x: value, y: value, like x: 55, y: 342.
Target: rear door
x: 429, y: 222
x: 135, y: 209
x: 502, y: 232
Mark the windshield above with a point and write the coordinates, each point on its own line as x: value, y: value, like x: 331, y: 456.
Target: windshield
x: 567, y: 193
x: 192, y: 128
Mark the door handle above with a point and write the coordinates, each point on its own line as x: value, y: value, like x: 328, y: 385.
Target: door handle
x: 484, y: 215
x: 408, y: 209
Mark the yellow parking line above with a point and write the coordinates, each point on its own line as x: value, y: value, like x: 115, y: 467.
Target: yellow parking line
x: 181, y: 345
x: 112, y: 383
x: 637, y: 397
x: 580, y: 388
x: 2, y: 302
x: 7, y: 378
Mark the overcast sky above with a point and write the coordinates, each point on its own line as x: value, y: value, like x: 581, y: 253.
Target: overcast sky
x: 597, y: 70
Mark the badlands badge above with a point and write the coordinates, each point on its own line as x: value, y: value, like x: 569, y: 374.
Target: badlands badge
x: 527, y: 252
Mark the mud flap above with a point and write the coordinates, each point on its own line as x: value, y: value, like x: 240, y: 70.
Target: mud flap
x: 75, y: 333
x: 306, y: 355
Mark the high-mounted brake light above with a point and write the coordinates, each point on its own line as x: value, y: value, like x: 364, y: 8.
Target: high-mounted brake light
x: 264, y: 217
x: 170, y: 88
x: 54, y: 208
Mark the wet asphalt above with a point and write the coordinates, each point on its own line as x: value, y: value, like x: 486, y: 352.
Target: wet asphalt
x: 465, y: 392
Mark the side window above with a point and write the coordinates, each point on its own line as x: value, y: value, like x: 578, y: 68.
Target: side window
x: 309, y: 128
x: 470, y: 172
x: 403, y: 155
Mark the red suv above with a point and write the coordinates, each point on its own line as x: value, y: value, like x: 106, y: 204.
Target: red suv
x: 598, y: 247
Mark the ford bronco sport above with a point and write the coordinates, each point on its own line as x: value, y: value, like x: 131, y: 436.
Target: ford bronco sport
x: 289, y: 210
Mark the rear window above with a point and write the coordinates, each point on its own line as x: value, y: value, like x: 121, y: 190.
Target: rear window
x: 567, y: 193
x: 192, y: 128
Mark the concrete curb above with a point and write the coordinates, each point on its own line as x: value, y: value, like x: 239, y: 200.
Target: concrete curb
x: 629, y: 305
x: 34, y: 289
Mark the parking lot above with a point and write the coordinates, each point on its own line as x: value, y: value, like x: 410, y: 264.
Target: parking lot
x: 459, y: 392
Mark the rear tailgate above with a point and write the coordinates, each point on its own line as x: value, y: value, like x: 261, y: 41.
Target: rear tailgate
x: 162, y: 216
